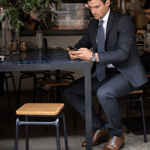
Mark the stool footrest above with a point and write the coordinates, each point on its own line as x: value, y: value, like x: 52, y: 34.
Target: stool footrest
x: 129, y: 100
x: 37, y: 123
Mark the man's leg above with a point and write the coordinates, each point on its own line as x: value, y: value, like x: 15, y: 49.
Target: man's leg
x: 75, y: 95
x: 116, y: 86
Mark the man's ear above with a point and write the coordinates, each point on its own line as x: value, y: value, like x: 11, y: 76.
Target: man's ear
x: 108, y: 2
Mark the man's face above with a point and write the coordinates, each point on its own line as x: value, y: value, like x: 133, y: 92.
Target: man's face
x: 98, y: 8
x: 147, y: 13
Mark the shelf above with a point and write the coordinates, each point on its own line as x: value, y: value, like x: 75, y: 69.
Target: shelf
x: 61, y: 32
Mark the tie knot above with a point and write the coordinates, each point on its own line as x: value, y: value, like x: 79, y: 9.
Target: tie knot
x: 101, y: 22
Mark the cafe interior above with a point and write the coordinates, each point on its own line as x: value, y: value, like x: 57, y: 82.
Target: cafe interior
x: 18, y: 88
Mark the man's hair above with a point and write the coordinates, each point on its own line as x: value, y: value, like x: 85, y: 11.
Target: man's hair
x: 147, y: 5
x: 100, y: 0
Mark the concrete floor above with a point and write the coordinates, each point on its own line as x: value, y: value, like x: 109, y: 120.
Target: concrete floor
x: 41, y: 140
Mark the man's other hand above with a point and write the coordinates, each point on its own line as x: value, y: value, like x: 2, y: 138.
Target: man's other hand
x: 82, y: 53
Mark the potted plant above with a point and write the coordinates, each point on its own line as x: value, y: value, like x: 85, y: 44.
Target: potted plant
x: 42, y: 8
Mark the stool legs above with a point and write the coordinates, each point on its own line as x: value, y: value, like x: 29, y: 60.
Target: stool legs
x: 129, y: 100
x: 17, y: 102
x: 16, y: 136
x: 8, y: 96
x: 23, y: 76
x: 65, y: 131
x: 143, y: 118
x: 57, y: 134
x: 27, y: 135
x: 56, y: 123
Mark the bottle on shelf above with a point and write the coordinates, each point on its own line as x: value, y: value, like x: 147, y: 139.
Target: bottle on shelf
x: 39, y: 39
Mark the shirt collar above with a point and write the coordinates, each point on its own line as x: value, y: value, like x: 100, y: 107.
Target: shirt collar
x: 105, y: 19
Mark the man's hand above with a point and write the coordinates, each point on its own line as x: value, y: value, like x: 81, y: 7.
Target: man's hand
x: 82, y: 53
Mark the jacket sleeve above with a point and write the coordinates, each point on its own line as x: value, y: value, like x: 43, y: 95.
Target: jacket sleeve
x: 85, y: 40
x: 121, y: 52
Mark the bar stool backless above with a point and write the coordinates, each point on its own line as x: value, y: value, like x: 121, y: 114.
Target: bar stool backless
x: 41, y: 110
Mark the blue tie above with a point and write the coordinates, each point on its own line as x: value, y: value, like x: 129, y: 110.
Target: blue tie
x: 100, y: 71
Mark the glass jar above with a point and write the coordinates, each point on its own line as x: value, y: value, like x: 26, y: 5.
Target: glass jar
x: 14, y: 47
x: 23, y: 47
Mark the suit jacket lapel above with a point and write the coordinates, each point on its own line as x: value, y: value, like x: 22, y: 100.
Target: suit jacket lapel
x: 109, y: 23
x: 95, y: 27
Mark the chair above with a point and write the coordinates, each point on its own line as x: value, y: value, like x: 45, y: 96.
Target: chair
x: 6, y: 77
x: 57, y: 83
x: 138, y: 99
x: 41, y: 110
x: 61, y: 74
x: 146, y: 86
x: 28, y: 74
x: 128, y: 100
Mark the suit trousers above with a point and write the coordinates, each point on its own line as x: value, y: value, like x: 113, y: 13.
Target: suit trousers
x: 113, y: 86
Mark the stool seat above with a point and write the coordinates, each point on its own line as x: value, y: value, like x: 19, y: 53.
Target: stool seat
x: 58, y: 73
x: 40, y: 109
x: 148, y: 73
x: 137, y: 92
x: 43, y: 110
x: 57, y: 82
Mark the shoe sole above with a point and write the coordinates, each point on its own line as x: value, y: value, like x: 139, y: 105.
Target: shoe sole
x: 122, y: 146
x: 99, y: 141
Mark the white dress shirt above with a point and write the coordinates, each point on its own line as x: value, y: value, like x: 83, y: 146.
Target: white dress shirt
x: 105, y: 19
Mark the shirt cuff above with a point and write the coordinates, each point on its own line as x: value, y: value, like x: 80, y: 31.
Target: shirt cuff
x: 98, y: 58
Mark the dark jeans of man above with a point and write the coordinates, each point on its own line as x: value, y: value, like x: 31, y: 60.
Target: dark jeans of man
x: 114, y: 85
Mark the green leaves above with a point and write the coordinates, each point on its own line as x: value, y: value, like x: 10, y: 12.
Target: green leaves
x: 47, y: 3
x: 41, y: 7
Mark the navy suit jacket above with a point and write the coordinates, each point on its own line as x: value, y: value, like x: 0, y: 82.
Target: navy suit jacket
x: 120, y: 47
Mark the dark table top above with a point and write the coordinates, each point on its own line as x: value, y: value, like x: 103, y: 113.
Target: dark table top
x: 40, y: 60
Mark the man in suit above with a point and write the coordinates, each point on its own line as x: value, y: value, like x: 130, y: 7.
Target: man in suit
x: 116, y: 71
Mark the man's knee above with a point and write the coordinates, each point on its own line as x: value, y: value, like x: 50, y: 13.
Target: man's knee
x: 105, y: 94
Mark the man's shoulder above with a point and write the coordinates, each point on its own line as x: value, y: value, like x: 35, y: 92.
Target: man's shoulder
x: 119, y: 15
x: 93, y: 22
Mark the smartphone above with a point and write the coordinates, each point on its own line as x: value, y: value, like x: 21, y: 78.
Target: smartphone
x: 72, y: 48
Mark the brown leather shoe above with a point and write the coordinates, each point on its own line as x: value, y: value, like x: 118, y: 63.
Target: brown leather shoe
x: 97, y: 137
x: 115, y: 143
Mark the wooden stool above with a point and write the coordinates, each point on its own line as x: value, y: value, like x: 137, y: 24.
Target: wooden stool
x: 139, y: 99
x: 128, y: 100
x: 148, y: 74
x: 42, y: 110
x: 29, y: 74
x: 59, y: 74
x: 58, y: 84
x: 6, y: 77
